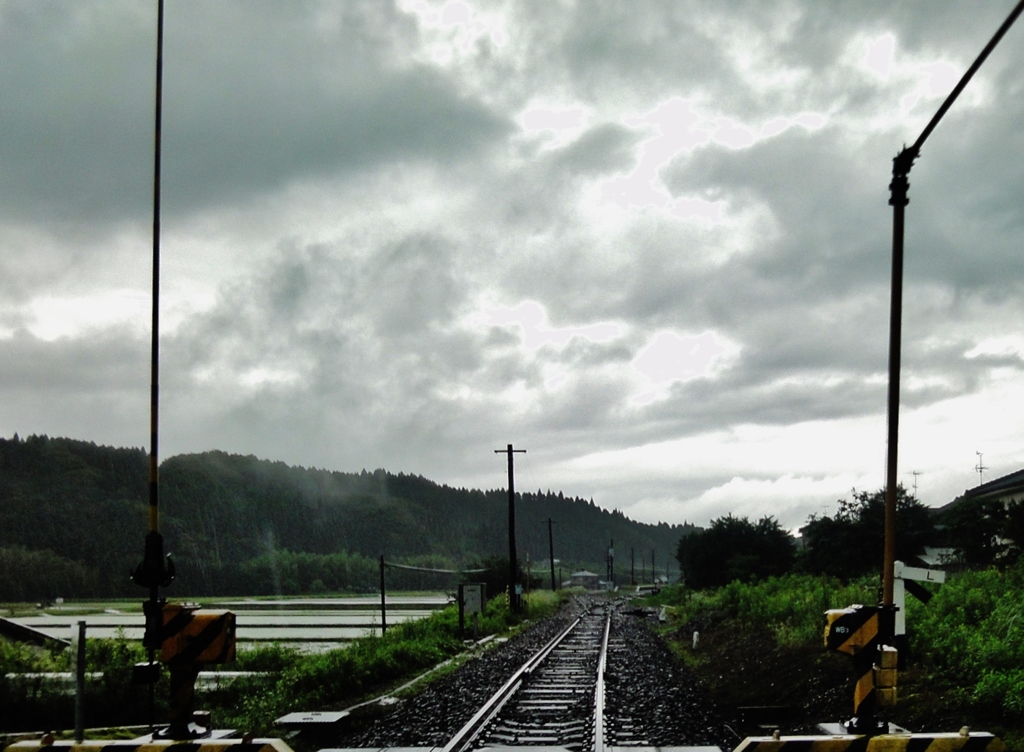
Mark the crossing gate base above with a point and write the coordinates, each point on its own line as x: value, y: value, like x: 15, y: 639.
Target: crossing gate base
x: 954, y: 742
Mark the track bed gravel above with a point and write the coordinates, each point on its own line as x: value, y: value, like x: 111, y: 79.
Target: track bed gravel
x: 650, y: 696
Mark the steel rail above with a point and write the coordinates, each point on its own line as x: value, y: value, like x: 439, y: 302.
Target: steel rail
x: 602, y: 663
x: 465, y: 736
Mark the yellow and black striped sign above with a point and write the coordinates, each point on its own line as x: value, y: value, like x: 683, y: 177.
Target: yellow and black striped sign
x: 854, y: 631
x: 956, y: 742
x: 850, y: 630
x: 192, y: 636
x: 167, y: 745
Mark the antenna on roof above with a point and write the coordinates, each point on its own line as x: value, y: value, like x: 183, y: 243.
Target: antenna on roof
x: 915, y: 473
x: 980, y: 469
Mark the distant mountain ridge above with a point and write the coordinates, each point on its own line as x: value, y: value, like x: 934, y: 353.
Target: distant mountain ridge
x: 73, y: 519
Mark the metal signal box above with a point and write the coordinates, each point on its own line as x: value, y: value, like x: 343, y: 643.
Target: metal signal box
x: 193, y: 636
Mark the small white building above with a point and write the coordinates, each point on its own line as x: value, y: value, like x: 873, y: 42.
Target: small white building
x: 584, y: 579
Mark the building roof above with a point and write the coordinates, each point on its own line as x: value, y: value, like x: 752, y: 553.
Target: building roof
x: 999, y: 488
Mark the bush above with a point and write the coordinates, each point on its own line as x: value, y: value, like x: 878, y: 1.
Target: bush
x: 37, y: 703
x: 967, y: 643
x: 971, y: 636
x: 367, y: 665
x: 791, y: 607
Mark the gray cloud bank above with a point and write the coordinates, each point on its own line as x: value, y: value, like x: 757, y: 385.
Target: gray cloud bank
x: 375, y: 258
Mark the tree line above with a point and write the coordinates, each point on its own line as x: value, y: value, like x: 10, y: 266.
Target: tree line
x: 849, y: 543
x: 73, y: 516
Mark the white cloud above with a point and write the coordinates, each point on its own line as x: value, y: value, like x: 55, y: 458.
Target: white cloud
x: 50, y: 317
x: 530, y: 318
x: 669, y: 357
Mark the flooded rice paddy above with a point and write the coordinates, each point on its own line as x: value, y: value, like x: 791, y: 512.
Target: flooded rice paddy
x: 309, y: 624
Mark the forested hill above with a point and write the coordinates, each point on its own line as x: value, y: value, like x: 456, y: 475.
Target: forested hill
x: 73, y: 519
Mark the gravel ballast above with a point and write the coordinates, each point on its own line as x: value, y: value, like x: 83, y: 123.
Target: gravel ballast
x: 650, y: 696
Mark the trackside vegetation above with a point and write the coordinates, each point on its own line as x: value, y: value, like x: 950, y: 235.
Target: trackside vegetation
x: 338, y: 678
x: 282, y: 680
x: 966, y: 662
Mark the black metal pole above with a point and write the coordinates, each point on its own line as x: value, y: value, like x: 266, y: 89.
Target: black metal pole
x: 155, y: 571
x: 154, y: 402
x: 551, y: 552
x: 898, y: 199
x: 383, y: 602
x: 901, y: 166
x: 513, y: 564
x: 611, y: 565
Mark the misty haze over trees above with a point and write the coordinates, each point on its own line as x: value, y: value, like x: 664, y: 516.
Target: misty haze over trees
x: 73, y: 520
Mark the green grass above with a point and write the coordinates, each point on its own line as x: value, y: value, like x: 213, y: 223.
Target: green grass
x: 288, y: 681
x: 966, y: 665
x: 368, y: 666
x: 791, y: 607
x: 36, y: 704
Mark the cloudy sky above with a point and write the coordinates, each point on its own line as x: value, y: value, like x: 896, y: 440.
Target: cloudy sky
x: 648, y: 242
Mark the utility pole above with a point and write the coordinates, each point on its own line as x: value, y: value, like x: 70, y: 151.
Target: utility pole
x: 898, y: 200
x: 611, y: 564
x: 901, y: 166
x: 513, y: 565
x: 529, y: 572
x: 632, y: 567
x: 551, y: 552
x: 156, y: 569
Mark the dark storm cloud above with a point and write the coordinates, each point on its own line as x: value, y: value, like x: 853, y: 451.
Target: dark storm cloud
x: 256, y: 96
x: 266, y: 98
x: 76, y: 103
x: 828, y: 204
x: 603, y: 149
x: 604, y: 49
x: 61, y: 387
x: 350, y: 343
x: 351, y: 325
x: 965, y: 222
x: 107, y: 360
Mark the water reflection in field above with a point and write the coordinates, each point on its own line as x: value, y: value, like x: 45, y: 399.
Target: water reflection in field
x: 310, y: 624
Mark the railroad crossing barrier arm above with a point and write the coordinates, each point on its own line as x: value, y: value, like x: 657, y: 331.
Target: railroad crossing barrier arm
x: 147, y: 744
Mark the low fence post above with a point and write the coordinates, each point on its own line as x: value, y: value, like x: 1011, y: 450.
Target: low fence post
x: 383, y: 602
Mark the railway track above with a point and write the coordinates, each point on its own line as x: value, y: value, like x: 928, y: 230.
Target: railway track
x: 556, y: 699
x: 594, y: 677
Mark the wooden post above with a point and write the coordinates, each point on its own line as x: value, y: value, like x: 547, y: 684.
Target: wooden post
x: 383, y: 602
